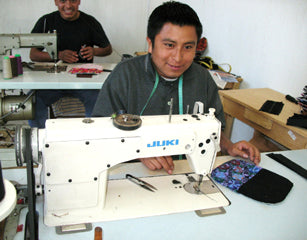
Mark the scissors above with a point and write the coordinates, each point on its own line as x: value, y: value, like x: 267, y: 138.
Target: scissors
x: 141, y: 183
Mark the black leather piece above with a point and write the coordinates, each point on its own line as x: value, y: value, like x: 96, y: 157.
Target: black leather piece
x: 298, y: 120
x: 267, y: 186
x: 272, y: 107
x: 289, y: 164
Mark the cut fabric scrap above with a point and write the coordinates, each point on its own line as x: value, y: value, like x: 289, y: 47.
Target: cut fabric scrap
x: 288, y: 163
x: 302, y: 101
x: 233, y: 174
x: 267, y: 187
x: 86, y: 69
x: 252, y: 181
x: 298, y: 120
x: 272, y: 107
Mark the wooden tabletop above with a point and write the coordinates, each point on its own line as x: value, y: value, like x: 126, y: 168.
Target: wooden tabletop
x: 244, y: 104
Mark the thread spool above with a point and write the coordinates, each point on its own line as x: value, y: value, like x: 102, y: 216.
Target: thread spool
x: 19, y: 64
x: 98, y: 233
x: 7, y: 69
x: 14, y: 66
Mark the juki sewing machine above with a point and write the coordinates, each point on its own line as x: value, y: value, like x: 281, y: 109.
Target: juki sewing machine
x: 28, y: 40
x: 76, y: 155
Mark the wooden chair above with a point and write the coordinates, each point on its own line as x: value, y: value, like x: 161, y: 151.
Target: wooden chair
x: 67, y: 107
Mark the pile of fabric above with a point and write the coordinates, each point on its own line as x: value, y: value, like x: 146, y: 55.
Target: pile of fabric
x: 302, y: 101
x: 300, y: 120
x: 86, y: 68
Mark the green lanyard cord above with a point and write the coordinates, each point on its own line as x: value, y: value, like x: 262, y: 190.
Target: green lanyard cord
x: 180, y: 95
x: 152, y: 92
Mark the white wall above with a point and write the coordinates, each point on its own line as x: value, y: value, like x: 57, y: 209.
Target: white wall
x: 265, y: 41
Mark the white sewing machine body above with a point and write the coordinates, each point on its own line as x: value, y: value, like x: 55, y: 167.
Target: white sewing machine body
x: 76, y: 157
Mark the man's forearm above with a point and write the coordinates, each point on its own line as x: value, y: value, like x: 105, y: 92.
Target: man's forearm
x: 225, y: 143
x: 37, y: 55
x: 103, y: 51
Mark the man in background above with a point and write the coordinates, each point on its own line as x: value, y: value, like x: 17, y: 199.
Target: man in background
x: 80, y: 38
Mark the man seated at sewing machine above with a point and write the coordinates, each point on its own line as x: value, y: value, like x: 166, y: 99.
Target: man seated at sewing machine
x: 144, y: 85
x: 77, y: 34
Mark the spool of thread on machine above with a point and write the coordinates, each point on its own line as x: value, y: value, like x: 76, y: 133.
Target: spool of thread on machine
x: 19, y: 64
x: 7, y: 69
x: 14, y: 66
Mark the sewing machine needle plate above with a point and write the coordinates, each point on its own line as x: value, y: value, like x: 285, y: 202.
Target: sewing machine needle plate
x: 206, y: 187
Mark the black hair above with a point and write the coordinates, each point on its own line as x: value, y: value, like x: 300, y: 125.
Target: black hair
x: 172, y: 12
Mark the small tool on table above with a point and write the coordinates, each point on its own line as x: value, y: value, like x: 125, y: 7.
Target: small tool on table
x: 141, y: 183
x: 291, y: 99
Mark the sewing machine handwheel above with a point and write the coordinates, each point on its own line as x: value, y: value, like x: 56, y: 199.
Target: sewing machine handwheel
x: 127, y: 121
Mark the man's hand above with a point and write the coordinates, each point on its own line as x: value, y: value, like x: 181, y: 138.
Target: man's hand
x: 68, y: 56
x: 246, y: 150
x: 87, y: 53
x: 155, y: 163
x: 242, y: 149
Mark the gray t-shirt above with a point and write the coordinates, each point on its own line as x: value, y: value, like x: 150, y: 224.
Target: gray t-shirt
x: 130, y: 84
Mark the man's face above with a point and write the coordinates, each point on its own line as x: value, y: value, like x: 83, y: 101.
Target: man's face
x: 69, y: 9
x: 174, y: 49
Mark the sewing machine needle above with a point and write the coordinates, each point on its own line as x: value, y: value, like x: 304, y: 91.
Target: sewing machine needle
x: 170, y: 110
x: 200, y: 179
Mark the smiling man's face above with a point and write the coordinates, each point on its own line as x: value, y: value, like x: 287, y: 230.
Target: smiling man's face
x: 174, y: 49
x: 69, y: 9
